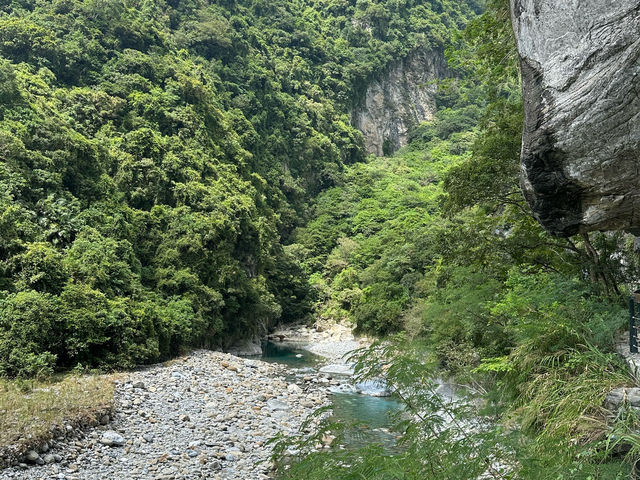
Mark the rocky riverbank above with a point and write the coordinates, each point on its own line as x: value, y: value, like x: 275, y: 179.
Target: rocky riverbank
x: 206, y: 415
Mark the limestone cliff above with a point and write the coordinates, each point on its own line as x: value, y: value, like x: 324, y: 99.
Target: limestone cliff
x: 399, y: 100
x: 581, y: 139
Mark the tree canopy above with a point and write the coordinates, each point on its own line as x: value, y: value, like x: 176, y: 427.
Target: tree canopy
x: 156, y: 156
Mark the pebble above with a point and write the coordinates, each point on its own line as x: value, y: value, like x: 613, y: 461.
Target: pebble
x: 32, y: 456
x: 275, y: 404
x: 293, y: 388
x: 112, y: 439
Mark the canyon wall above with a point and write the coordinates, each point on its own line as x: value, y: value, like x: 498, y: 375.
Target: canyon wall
x: 399, y: 100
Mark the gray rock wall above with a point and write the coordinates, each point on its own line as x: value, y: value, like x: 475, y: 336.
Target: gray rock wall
x: 399, y: 100
x: 581, y: 139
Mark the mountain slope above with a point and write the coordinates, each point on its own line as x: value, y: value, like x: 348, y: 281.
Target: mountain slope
x: 155, y: 157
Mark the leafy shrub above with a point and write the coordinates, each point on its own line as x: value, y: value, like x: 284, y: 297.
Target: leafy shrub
x: 89, y: 325
x: 559, y: 369
x: 40, y: 267
x: 550, y: 312
x: 31, y: 335
x: 380, y: 308
x: 103, y: 263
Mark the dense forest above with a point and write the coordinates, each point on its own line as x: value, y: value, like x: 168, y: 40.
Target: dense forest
x: 158, y: 155
x: 177, y: 174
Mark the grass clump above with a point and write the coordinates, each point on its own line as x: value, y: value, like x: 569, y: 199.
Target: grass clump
x: 34, y: 411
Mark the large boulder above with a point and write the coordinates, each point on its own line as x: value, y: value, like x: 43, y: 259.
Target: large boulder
x: 581, y: 138
x: 623, y: 396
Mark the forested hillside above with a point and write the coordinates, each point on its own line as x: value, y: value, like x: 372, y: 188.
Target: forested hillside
x: 177, y: 174
x: 156, y: 156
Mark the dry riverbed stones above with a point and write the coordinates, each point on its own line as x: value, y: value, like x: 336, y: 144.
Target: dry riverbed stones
x: 207, y: 415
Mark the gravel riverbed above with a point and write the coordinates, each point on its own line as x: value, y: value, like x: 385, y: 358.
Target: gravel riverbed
x: 207, y: 415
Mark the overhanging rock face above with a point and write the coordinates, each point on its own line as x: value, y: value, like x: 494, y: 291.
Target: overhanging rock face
x: 581, y: 140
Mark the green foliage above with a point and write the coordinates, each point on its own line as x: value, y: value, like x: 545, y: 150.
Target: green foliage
x: 437, y: 241
x: 442, y: 439
x: 367, y: 240
x: 557, y: 371
x: 30, y: 334
x: 489, y: 177
x: 40, y: 267
x: 102, y: 263
x: 180, y: 174
x: 557, y: 312
x: 155, y: 160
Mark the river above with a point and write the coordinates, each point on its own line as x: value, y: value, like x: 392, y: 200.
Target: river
x: 369, y: 418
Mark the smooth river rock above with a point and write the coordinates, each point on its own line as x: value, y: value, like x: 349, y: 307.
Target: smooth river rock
x: 618, y: 397
x: 337, y: 369
x: 581, y: 137
x: 112, y: 439
x: 207, y: 415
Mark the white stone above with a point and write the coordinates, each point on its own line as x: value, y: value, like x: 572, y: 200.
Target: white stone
x: 112, y: 439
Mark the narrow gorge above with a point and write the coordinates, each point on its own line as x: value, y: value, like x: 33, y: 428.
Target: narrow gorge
x: 318, y: 239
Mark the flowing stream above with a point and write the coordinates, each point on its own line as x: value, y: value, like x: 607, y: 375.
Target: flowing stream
x: 370, y: 418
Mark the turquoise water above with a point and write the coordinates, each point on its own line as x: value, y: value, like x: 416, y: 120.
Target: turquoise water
x: 286, y: 354
x: 369, y: 419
